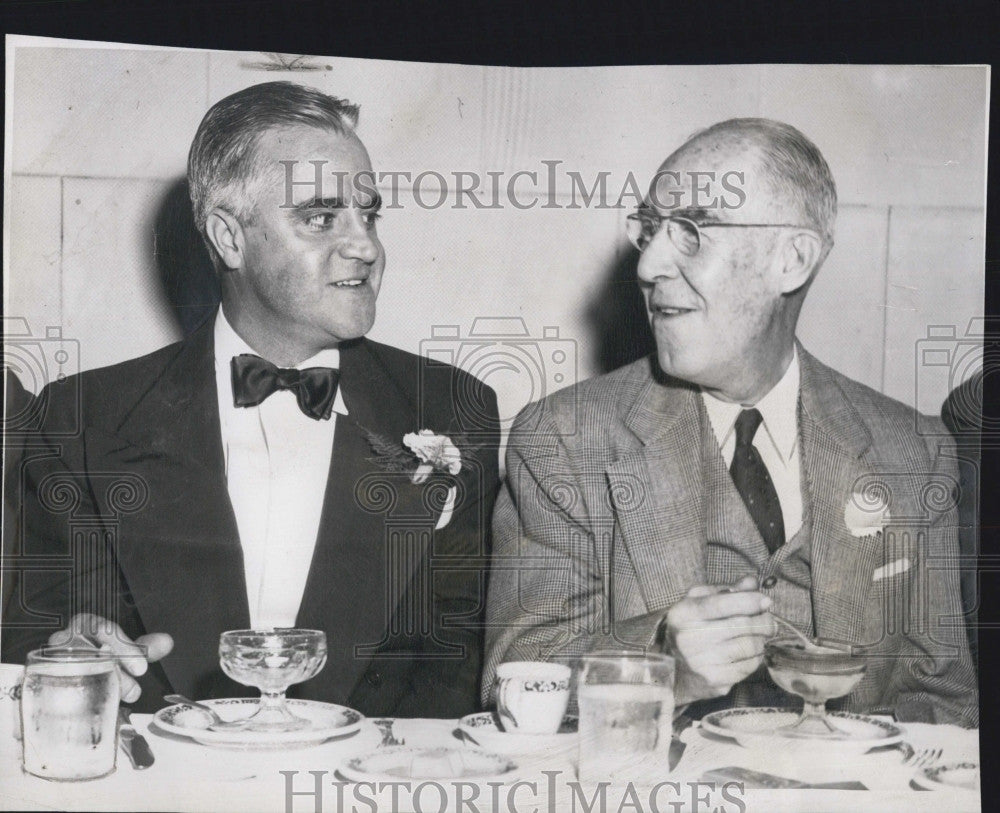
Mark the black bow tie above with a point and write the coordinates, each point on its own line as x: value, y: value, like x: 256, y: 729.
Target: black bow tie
x: 254, y: 379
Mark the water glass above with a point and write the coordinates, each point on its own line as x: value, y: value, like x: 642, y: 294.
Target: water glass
x: 626, y: 703
x: 69, y: 713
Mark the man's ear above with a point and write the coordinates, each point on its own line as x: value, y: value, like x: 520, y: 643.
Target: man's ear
x: 226, y: 236
x: 801, y: 254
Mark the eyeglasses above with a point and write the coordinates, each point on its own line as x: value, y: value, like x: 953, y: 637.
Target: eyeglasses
x: 685, y: 234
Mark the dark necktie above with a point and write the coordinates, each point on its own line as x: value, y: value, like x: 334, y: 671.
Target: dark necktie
x: 255, y: 379
x: 754, y: 483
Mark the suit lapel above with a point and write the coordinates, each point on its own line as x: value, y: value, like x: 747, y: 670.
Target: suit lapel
x: 180, y: 551
x: 357, y: 577
x: 834, y: 441
x: 657, y: 491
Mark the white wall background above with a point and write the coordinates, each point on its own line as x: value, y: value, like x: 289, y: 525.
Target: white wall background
x: 99, y: 135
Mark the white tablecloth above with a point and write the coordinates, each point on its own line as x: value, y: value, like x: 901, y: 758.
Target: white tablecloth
x: 191, y: 777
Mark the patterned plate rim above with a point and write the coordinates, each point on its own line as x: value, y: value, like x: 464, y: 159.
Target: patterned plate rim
x: 711, y: 722
x: 505, y: 763
x: 351, y: 721
x: 472, y: 724
x: 929, y: 776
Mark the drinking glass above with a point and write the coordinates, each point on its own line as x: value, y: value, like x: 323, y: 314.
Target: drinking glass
x: 626, y: 703
x: 69, y: 713
x: 816, y: 674
x: 273, y: 660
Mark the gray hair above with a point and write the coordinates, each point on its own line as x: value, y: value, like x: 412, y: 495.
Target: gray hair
x: 795, y: 167
x: 224, y: 167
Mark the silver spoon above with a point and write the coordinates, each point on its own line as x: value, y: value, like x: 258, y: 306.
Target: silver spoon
x: 217, y: 722
x: 810, y: 646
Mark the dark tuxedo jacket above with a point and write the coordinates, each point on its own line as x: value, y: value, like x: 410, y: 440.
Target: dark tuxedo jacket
x: 126, y: 514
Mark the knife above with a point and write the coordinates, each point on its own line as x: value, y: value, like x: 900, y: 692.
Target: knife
x: 133, y: 743
x: 677, y: 745
x: 757, y: 780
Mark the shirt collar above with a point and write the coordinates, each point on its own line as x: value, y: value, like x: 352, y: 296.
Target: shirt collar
x: 778, y: 408
x: 229, y: 343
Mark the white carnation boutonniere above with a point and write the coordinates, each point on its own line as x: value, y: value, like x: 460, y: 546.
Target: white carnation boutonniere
x: 866, y: 514
x: 435, y: 452
x: 420, y: 454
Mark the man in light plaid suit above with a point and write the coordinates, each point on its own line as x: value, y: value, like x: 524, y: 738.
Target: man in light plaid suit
x: 626, y: 520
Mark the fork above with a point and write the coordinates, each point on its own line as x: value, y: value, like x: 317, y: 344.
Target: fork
x: 923, y: 757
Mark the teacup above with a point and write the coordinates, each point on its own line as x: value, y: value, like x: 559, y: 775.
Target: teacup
x: 11, y: 677
x: 532, y: 696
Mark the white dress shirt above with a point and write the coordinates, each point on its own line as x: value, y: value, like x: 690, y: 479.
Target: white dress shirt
x: 277, y: 466
x: 776, y: 439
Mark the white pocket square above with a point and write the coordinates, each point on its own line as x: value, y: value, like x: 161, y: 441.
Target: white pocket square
x: 891, y: 569
x: 448, y: 510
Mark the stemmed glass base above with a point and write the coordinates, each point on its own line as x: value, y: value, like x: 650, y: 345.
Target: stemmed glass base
x: 273, y: 716
x: 813, y: 724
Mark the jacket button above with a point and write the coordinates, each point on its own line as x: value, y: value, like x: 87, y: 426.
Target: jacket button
x: 373, y: 678
x: 769, y: 582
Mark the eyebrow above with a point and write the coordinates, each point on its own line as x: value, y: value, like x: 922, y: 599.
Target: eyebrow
x: 696, y: 214
x: 321, y: 203
x: 337, y: 203
x: 699, y: 215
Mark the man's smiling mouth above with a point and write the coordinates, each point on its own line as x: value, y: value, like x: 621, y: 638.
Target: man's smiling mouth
x: 349, y: 283
x: 671, y: 311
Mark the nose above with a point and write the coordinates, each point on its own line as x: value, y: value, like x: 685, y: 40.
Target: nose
x: 359, y: 242
x: 659, y: 260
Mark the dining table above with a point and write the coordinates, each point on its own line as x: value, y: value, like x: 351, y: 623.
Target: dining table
x: 187, y: 776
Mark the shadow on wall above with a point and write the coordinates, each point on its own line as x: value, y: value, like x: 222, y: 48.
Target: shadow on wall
x: 617, y: 317
x: 185, y: 269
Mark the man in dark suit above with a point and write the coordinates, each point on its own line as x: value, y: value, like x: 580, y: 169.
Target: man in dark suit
x: 17, y: 409
x: 267, y: 471
x: 673, y: 503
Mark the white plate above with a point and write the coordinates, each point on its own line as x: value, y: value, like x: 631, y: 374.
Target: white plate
x: 485, y: 729
x: 401, y: 762
x: 964, y: 775
x: 328, y: 720
x: 760, y: 727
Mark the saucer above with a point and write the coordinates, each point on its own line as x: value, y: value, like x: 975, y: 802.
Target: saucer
x: 401, y: 763
x: 964, y: 775
x: 760, y: 727
x: 485, y: 729
x: 328, y: 720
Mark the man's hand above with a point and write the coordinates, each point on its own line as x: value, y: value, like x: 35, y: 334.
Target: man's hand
x: 87, y: 630
x: 717, y: 634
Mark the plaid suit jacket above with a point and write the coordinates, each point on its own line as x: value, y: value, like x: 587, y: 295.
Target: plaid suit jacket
x: 601, y: 528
